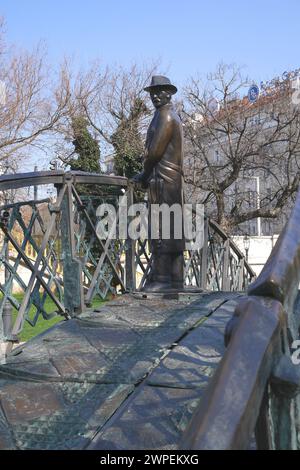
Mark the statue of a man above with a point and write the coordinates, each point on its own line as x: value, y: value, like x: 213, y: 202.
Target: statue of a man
x: 163, y: 176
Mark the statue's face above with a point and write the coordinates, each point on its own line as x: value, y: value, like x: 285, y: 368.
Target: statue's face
x: 160, y: 97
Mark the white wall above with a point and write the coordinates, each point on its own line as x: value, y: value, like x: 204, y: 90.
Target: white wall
x: 259, y: 250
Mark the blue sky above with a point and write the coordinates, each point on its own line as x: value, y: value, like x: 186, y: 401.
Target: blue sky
x: 190, y: 36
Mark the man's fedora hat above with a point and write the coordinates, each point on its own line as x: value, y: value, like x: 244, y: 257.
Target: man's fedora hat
x: 159, y: 81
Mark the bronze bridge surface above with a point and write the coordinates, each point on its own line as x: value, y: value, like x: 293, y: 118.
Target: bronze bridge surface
x: 141, y: 372
x: 127, y: 376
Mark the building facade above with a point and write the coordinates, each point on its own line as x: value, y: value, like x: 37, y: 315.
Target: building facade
x: 245, y: 159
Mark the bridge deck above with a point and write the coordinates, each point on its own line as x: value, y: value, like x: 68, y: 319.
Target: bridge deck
x: 126, y: 376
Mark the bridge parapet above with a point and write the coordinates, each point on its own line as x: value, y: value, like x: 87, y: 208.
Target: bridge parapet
x: 256, y: 387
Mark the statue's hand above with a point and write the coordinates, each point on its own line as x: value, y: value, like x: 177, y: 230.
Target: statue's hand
x: 140, y: 180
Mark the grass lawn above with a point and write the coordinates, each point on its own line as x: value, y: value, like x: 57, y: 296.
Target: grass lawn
x: 42, y: 324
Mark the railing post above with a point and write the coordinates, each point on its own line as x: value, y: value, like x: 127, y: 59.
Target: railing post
x: 130, y: 250
x: 7, y: 308
x: 72, y: 268
x: 225, y: 274
x: 285, y: 436
x: 263, y: 434
x: 204, y: 256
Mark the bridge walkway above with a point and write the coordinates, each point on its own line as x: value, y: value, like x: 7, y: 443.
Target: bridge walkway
x: 125, y: 376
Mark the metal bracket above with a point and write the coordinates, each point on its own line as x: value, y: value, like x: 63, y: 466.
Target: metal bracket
x: 69, y: 177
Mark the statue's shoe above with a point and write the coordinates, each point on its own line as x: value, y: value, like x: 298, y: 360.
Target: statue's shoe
x: 157, y: 287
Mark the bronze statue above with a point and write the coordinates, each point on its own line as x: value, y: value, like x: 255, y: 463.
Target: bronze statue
x: 163, y: 176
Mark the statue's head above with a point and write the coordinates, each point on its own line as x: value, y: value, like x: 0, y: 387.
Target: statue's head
x: 161, y: 90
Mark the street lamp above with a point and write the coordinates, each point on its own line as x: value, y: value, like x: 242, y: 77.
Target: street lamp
x: 256, y: 178
x: 246, y: 241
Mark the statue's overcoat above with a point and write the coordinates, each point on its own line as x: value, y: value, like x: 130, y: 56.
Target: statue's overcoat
x: 163, y: 166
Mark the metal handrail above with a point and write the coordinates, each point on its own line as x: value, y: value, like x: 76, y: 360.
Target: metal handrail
x: 233, y: 246
x: 280, y: 276
x: 256, y: 385
x: 58, y: 177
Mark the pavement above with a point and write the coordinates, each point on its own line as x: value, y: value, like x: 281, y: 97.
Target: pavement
x: 125, y: 376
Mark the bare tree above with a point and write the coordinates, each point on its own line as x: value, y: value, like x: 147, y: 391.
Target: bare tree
x: 229, y: 141
x: 33, y: 102
x: 117, y: 109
